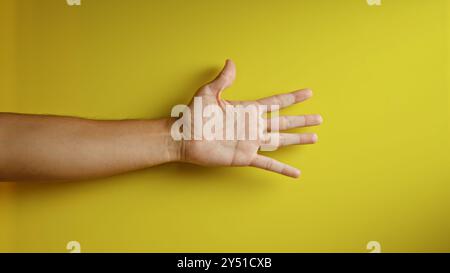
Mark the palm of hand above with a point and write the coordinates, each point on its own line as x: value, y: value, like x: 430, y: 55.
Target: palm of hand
x: 218, y: 152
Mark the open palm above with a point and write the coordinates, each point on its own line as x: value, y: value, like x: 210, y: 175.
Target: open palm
x: 220, y: 152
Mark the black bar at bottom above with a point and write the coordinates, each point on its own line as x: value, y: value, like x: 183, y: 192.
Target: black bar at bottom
x: 226, y: 262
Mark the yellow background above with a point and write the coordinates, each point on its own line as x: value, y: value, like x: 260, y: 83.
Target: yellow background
x: 379, y: 172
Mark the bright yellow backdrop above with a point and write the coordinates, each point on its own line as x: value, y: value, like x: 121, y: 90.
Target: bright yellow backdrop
x: 379, y: 172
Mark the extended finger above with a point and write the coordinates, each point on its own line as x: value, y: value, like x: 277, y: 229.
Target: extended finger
x: 267, y: 163
x: 280, y: 100
x: 277, y: 140
x: 290, y: 122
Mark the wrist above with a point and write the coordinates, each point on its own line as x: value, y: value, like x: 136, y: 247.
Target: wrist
x: 175, y: 148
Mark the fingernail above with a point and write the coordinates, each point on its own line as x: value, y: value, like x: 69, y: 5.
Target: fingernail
x: 319, y: 119
x: 308, y: 91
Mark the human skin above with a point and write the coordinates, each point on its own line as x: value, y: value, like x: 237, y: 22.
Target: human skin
x: 43, y: 147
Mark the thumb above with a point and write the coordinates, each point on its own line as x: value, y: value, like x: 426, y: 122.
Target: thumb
x: 225, y: 78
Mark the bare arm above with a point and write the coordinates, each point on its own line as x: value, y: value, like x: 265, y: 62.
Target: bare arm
x: 64, y: 148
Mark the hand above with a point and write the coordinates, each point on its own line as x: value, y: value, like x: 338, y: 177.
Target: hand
x: 218, y: 152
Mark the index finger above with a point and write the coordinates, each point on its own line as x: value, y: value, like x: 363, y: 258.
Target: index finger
x: 282, y: 100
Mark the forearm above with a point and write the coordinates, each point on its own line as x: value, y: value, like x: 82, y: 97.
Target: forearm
x: 35, y: 147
